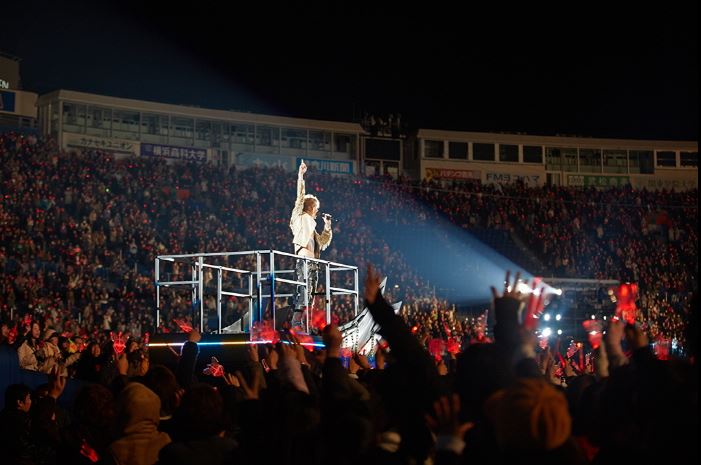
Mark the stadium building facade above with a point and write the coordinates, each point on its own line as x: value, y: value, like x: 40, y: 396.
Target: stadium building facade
x: 453, y: 156
x: 174, y: 132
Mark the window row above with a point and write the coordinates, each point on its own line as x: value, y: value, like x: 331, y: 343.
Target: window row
x: 178, y: 130
x: 482, y: 152
x: 564, y: 158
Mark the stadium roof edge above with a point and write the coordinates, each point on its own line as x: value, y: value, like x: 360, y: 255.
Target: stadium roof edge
x: 559, y: 141
x: 189, y: 111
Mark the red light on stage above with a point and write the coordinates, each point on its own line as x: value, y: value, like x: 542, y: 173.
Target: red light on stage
x: 594, y: 332
x: 214, y: 369
x: 626, y: 295
x: 452, y: 346
x: 184, y: 327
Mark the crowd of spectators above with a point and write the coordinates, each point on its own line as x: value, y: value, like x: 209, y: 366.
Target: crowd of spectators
x: 78, y: 236
x: 80, y: 232
x: 650, y: 238
x: 495, y: 401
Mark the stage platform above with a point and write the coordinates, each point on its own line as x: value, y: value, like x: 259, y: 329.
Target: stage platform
x: 231, y: 350
x: 257, y: 278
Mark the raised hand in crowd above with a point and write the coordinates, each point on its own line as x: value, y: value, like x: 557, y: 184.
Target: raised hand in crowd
x: 353, y: 367
x: 231, y: 379
x: 612, y: 341
x: 362, y: 361
x: 123, y: 364
x: 272, y: 358
x: 445, y: 420
x: 250, y: 391
x: 380, y: 358
x: 252, y: 351
x: 636, y: 337
x: 57, y: 383
x: 372, y: 284
x: 601, y: 362
x: 442, y: 368
x: 332, y: 340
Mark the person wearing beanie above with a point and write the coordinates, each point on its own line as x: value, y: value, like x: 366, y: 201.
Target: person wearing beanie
x: 531, y: 420
x: 138, y: 413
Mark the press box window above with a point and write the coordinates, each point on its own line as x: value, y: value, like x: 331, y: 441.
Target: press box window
x: 590, y: 160
x: 457, y: 150
x: 508, y: 153
x: 433, y: 149
x: 667, y: 159
x: 689, y: 159
x: 483, y: 152
x: 532, y: 154
x: 615, y: 161
x: 640, y: 161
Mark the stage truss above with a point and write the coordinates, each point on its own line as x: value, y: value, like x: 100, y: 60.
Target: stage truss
x: 261, y: 275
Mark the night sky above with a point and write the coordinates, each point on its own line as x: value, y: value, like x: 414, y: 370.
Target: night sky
x: 594, y: 72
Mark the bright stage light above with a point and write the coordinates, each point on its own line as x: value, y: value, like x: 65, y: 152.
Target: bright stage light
x: 547, y: 332
x: 546, y: 317
x: 229, y: 343
x: 558, y: 317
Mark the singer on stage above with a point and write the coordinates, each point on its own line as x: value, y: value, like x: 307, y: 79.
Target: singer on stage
x: 307, y: 243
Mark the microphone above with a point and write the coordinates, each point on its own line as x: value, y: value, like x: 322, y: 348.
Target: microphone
x: 328, y: 216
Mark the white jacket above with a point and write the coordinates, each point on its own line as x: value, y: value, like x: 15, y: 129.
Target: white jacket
x: 303, y: 226
x: 28, y: 356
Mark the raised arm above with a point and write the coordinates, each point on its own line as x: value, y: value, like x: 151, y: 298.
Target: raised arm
x: 299, y: 202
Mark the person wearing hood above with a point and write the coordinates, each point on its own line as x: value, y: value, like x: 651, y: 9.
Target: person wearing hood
x: 138, y: 414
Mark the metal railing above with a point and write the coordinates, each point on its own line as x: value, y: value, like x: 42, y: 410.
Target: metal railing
x: 265, y: 276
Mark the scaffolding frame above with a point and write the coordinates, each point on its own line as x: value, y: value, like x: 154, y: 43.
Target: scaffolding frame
x: 258, y: 279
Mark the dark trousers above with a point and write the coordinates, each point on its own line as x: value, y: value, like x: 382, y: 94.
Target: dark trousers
x: 313, y: 280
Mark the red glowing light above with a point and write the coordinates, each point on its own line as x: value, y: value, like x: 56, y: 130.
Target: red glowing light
x: 626, y: 295
x: 594, y: 332
x: 318, y: 319
x: 119, y: 343
x: 89, y: 452
x: 184, y: 327
x: 214, y: 369
x: 436, y: 348
x: 264, y: 331
x: 303, y: 338
x: 12, y: 335
x: 572, y: 349
x: 452, y: 345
